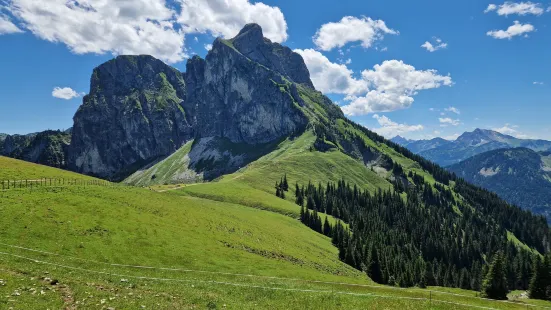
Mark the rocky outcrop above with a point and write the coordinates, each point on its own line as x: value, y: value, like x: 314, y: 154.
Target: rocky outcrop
x: 47, y: 148
x: 134, y: 113
x: 251, y: 43
x: 242, y: 100
x: 140, y: 109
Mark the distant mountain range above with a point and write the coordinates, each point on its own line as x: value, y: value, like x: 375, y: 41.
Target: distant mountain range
x: 446, y: 153
x: 518, y: 170
x: 519, y: 175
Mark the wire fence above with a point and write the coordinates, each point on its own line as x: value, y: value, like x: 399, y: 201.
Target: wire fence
x: 50, y: 182
x: 430, y: 298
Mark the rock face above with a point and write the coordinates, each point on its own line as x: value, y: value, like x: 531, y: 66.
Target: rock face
x: 133, y: 113
x: 140, y: 109
x: 281, y: 59
x: 242, y: 100
x: 47, y: 148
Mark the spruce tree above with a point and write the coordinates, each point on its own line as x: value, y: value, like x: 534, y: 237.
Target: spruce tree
x: 285, y: 184
x: 327, y: 228
x: 494, y: 285
x: 299, y: 198
x: 374, y: 266
x: 537, y: 284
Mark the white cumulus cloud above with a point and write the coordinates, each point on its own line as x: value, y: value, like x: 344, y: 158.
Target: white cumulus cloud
x: 329, y: 77
x: 351, y: 29
x: 6, y: 26
x: 66, y: 93
x: 516, y: 29
x: 393, y: 85
x: 208, y: 47
x: 99, y: 26
x: 154, y: 27
x: 397, y: 76
x: 377, y: 101
x: 448, y: 121
x: 506, y: 129
x: 227, y: 17
x: 438, y: 45
x: 391, y: 129
x: 490, y: 8
x: 513, y: 8
x: 387, y: 87
x: 512, y: 130
x: 537, y: 83
x: 453, y: 110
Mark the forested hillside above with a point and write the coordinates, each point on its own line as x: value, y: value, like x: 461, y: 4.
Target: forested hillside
x: 425, y: 233
x: 520, y: 176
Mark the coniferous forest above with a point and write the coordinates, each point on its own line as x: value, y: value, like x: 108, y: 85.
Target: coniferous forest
x: 419, y: 234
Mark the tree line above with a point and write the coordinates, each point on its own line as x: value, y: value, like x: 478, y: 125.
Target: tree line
x: 418, y: 234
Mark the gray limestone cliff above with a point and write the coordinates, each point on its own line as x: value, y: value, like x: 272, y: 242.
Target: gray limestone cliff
x: 140, y: 109
x: 132, y: 114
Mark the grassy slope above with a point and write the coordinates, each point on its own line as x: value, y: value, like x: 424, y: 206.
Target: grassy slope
x: 166, y: 171
x: 134, y: 226
x: 13, y: 169
x: 254, y: 185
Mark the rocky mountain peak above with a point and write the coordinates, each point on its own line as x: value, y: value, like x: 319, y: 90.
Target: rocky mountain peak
x: 400, y: 140
x: 139, y: 109
x: 127, y: 72
x: 251, y: 34
x: 251, y: 43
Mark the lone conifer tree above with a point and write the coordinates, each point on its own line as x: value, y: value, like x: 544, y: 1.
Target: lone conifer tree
x: 494, y: 285
x: 285, y: 184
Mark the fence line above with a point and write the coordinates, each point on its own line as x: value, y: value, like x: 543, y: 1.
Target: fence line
x: 265, y: 277
x: 50, y: 182
x: 247, y: 285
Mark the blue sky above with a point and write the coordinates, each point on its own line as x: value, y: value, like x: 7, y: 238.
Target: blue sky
x: 491, y: 70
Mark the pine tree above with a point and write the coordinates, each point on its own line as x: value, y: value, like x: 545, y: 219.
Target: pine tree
x: 285, y: 184
x: 537, y: 284
x: 310, y: 204
x: 374, y: 266
x: 494, y: 285
x: 299, y: 196
x: 327, y: 228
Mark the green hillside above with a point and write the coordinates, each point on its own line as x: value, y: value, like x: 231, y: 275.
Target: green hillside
x: 219, y: 255
x: 13, y: 169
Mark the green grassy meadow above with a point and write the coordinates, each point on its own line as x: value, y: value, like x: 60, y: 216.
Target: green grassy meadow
x: 229, y: 244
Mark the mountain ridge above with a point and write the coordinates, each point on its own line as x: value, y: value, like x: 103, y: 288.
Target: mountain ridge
x: 164, y: 109
x: 49, y: 147
x: 521, y: 176
x: 468, y: 144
